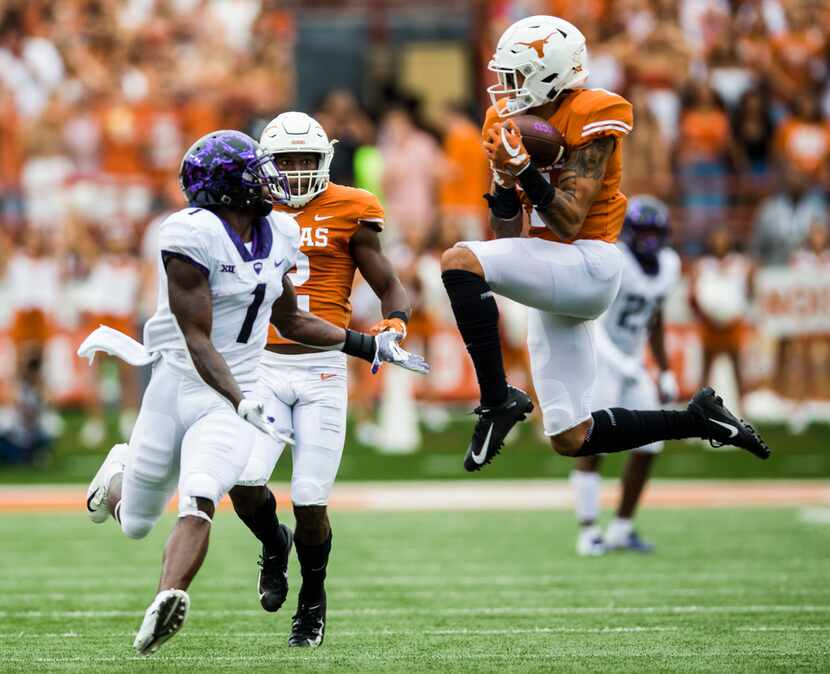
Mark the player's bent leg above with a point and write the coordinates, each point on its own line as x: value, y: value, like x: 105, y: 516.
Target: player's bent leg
x: 320, y: 429
x: 461, y: 259
x: 467, y: 269
x: 586, y: 483
x: 477, y: 317
x: 153, y: 466
x: 256, y: 506
x: 618, y: 429
x: 104, y: 492
x: 183, y: 556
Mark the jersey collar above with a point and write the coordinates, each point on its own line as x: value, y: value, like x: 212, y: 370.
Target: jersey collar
x: 261, y: 237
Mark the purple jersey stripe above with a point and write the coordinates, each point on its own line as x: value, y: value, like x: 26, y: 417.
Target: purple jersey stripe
x: 167, y: 255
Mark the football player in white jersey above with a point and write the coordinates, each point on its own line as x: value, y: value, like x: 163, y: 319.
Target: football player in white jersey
x: 223, y: 278
x: 650, y: 271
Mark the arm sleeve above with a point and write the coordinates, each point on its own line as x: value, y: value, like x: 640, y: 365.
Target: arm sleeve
x: 180, y: 239
x: 606, y: 115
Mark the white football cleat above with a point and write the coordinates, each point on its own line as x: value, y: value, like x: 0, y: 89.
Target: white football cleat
x: 98, y: 490
x: 589, y: 542
x: 164, y: 617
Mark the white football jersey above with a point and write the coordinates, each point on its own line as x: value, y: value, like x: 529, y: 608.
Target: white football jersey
x: 245, y: 280
x: 628, y: 318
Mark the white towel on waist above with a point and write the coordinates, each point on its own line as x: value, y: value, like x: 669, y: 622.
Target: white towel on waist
x: 114, y: 343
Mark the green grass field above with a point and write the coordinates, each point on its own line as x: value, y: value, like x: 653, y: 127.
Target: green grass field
x: 729, y: 591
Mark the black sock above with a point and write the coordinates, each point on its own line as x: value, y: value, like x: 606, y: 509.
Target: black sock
x: 477, y: 317
x: 313, y: 561
x: 266, y: 527
x: 618, y: 429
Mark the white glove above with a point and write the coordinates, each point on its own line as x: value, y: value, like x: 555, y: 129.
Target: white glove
x: 253, y: 411
x: 387, y: 350
x: 667, y: 386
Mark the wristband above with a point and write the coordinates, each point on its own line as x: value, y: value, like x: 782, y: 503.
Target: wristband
x: 504, y: 203
x: 538, y: 190
x: 359, y: 345
x: 399, y: 314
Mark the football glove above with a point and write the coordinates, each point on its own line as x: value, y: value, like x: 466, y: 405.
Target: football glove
x: 505, y: 149
x: 253, y: 411
x: 388, y: 350
x: 394, y: 324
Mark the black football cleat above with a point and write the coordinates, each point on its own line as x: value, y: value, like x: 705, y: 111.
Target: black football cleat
x: 724, y: 428
x: 308, y: 626
x: 272, y: 583
x: 493, y: 425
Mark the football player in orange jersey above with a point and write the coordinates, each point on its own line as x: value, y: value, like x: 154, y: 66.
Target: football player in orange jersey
x: 305, y: 388
x: 568, y: 270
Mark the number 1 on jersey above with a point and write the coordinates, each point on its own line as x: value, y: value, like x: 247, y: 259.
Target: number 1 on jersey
x: 251, y: 314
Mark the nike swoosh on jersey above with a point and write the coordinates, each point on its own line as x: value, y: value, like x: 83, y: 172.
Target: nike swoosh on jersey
x: 733, y: 431
x: 479, y: 458
x: 320, y: 218
x: 327, y: 375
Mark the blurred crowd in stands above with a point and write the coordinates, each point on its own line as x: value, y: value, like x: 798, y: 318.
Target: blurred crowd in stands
x: 100, y: 98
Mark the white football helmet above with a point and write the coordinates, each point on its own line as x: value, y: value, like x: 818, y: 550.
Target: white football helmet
x: 294, y: 132
x: 550, y: 55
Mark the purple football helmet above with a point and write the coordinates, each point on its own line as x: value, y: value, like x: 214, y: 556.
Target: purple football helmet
x: 646, y: 228
x: 227, y: 168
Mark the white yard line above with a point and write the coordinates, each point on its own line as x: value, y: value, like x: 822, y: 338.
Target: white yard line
x: 785, y: 628
x: 441, y: 591
x: 461, y: 611
x: 357, y: 633
x: 815, y: 515
x: 458, y: 658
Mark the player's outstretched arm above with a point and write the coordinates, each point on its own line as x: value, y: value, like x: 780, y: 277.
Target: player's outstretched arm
x: 302, y: 326
x: 189, y: 295
x: 382, y: 279
x: 579, y: 183
x: 306, y: 328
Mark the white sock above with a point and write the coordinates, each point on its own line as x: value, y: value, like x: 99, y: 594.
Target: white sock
x: 586, y: 495
x: 619, y: 529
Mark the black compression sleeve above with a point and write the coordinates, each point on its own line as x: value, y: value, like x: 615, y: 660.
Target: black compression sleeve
x: 359, y: 345
x: 538, y: 190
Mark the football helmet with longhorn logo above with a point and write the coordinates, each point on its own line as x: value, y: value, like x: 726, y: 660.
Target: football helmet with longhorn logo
x: 536, y: 59
x: 296, y: 133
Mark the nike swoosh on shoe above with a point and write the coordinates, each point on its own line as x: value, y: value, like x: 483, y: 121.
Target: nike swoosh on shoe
x: 733, y: 431
x: 482, y: 455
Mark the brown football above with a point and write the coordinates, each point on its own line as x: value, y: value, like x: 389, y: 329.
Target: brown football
x: 542, y: 140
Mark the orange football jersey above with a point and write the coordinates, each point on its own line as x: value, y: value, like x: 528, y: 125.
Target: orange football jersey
x: 583, y: 116
x: 325, y: 268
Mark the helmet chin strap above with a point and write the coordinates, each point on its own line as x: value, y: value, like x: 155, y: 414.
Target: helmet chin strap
x: 263, y: 208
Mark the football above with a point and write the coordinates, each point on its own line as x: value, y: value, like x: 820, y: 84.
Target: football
x: 543, y: 141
